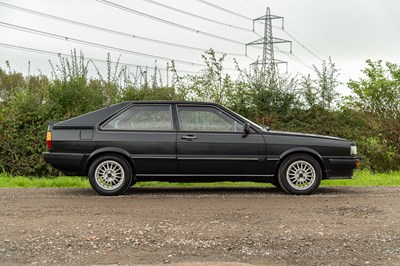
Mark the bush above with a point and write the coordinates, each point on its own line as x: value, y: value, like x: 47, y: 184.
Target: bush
x: 370, y: 117
x: 377, y: 97
x: 23, y: 123
x: 29, y: 103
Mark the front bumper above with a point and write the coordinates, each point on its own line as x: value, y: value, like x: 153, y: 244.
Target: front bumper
x: 341, y: 168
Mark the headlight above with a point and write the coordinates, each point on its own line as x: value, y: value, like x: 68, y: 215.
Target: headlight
x: 353, y: 150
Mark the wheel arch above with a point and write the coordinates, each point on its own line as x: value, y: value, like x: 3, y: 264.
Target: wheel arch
x: 306, y: 151
x: 111, y: 151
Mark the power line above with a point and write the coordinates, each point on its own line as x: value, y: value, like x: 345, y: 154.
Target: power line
x: 291, y: 55
x: 294, y: 57
x: 138, y: 37
x: 197, y: 16
x: 232, y: 12
x: 254, y: 3
x: 302, y: 45
x: 46, y: 52
x: 291, y: 29
x: 283, y: 28
x: 38, y: 51
x: 268, y: 62
x: 65, y: 38
x: 224, y: 9
x: 248, y: 18
x: 109, y: 30
x: 168, y: 22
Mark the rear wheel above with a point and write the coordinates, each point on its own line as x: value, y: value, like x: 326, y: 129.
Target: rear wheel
x: 300, y: 174
x: 110, y: 175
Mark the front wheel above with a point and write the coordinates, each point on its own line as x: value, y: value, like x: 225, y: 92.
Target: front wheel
x: 300, y: 174
x: 110, y: 175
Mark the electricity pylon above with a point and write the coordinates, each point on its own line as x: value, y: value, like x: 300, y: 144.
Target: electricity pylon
x: 268, y: 62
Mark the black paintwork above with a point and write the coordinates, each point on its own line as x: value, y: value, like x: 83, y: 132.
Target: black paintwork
x: 90, y: 120
x: 175, y: 155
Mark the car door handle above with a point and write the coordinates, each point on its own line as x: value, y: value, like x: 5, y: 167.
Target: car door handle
x: 189, y: 137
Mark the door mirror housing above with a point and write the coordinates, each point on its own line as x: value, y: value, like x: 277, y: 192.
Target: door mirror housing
x: 246, y: 128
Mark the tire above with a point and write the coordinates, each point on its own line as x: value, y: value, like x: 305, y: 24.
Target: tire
x: 300, y: 174
x: 110, y: 175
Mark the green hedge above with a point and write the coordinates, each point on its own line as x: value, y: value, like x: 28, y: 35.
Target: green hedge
x: 370, y: 116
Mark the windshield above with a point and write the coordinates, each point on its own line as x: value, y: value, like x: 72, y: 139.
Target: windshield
x: 251, y: 122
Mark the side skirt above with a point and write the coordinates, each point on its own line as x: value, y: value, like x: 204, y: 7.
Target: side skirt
x: 197, y: 178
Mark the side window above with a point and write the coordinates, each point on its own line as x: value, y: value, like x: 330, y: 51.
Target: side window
x: 143, y: 117
x: 203, y: 118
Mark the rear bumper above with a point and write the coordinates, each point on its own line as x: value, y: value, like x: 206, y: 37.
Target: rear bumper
x: 340, y: 168
x: 68, y: 163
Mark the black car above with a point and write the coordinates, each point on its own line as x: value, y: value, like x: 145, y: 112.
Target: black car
x: 128, y: 142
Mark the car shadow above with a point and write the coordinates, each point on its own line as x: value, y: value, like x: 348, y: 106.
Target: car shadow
x: 338, y: 190
x: 232, y: 191
x: 204, y: 190
x: 216, y: 191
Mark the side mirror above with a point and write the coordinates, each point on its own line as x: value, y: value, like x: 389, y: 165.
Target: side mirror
x: 246, y: 128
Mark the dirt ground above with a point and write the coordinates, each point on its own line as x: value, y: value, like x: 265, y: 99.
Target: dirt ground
x: 223, y: 226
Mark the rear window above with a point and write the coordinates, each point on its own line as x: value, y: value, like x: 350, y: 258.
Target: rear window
x: 143, y: 117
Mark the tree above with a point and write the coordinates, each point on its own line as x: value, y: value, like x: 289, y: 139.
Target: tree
x: 9, y: 81
x: 212, y: 84
x: 377, y: 96
x: 379, y: 92
x: 309, y: 91
x: 327, y: 82
x: 267, y: 100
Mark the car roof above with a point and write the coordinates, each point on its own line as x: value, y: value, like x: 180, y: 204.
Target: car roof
x: 169, y: 102
x: 91, y: 119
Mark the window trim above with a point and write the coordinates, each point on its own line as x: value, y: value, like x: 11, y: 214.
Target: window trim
x: 204, y: 131
x: 103, y: 123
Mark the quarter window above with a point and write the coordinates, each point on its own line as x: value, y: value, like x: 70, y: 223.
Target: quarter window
x: 203, y: 118
x: 143, y: 117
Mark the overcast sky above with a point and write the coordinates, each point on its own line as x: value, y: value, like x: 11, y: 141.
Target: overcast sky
x: 350, y: 31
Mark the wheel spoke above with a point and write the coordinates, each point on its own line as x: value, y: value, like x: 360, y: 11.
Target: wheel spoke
x: 300, y: 175
x: 109, y: 175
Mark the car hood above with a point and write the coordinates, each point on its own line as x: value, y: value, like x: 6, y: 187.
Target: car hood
x: 297, y: 134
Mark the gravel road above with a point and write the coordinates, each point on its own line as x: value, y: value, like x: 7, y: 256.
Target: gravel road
x: 222, y: 226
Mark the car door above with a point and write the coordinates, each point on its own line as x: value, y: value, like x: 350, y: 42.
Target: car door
x: 148, y: 133
x: 212, y: 142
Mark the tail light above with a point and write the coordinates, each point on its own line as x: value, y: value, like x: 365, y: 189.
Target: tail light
x: 49, y: 140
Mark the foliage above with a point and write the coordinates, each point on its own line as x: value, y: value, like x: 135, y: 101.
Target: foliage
x: 29, y: 103
x: 377, y: 96
x: 210, y: 85
x: 23, y: 124
x: 321, y: 90
x: 303, y: 103
x: 147, y: 93
x: 9, y: 81
x: 263, y: 98
x: 327, y: 81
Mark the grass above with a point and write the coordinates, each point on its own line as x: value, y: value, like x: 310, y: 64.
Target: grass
x: 361, y: 178
x: 7, y: 181
x: 367, y: 178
